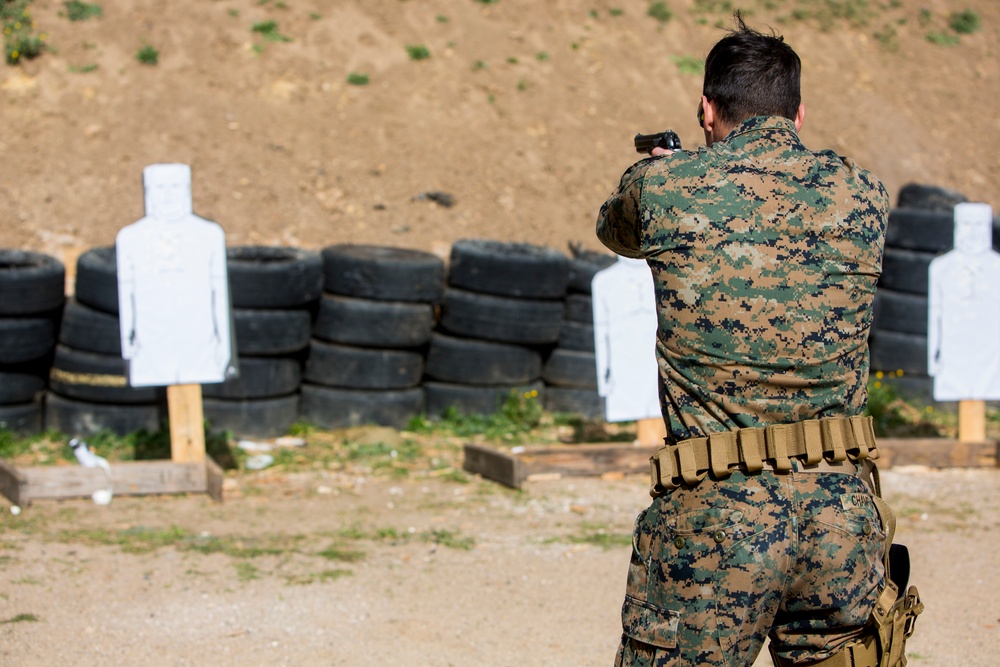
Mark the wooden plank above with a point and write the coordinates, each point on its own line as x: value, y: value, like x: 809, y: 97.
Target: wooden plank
x: 937, y: 453
x: 127, y: 478
x: 515, y: 466
x: 13, y: 485
x: 587, y: 460
x: 494, y: 464
x: 972, y: 421
x: 214, y: 479
x: 187, y: 423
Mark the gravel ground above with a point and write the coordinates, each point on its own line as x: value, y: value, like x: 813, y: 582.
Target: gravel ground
x: 313, y: 569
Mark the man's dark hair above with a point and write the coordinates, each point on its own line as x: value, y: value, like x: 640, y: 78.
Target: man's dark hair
x: 748, y: 73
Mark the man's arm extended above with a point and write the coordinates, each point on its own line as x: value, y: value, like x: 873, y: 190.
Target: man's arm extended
x: 619, y: 224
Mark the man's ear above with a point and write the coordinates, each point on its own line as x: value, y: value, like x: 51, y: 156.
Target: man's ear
x: 800, y: 117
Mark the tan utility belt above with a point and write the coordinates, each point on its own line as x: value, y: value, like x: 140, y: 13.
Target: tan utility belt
x: 812, y: 442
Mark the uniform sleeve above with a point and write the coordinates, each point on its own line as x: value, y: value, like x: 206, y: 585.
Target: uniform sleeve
x: 619, y: 224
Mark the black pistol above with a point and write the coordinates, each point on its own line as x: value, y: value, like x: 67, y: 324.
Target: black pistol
x: 647, y: 142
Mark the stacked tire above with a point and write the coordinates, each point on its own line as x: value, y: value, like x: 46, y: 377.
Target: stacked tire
x: 273, y: 294
x: 374, y: 321
x: 920, y: 228
x: 88, y: 386
x: 501, y: 313
x: 32, y: 291
x: 570, y: 372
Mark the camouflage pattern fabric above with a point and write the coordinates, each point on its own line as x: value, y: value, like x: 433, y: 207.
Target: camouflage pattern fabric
x: 765, y: 257
x: 715, y: 566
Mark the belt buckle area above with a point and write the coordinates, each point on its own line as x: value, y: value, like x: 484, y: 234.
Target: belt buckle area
x: 846, y: 466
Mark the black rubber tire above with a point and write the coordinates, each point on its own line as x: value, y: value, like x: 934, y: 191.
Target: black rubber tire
x: 89, y: 329
x: 21, y: 383
x: 508, y: 269
x: 480, y: 362
x: 582, y: 268
x: 580, y: 308
x: 273, y: 277
x: 371, y: 323
x: 26, y: 338
x: 97, y: 378
x: 920, y: 229
x: 97, y: 279
x: 576, y: 336
x: 570, y: 368
x: 905, y: 270
x: 383, y: 273
x: 83, y: 419
x: 252, y: 418
x: 586, y: 403
x: 329, y: 407
x: 892, y: 351
x: 260, y: 377
x: 22, y: 419
x: 499, y: 318
x: 271, y: 332
x: 473, y: 400
x: 351, y: 367
x: 929, y: 197
x: 900, y: 312
x: 30, y: 282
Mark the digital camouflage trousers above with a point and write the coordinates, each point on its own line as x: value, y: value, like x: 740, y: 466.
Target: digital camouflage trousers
x: 718, y: 567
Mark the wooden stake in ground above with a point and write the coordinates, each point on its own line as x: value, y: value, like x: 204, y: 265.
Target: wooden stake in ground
x: 651, y: 431
x: 187, y: 431
x: 972, y: 421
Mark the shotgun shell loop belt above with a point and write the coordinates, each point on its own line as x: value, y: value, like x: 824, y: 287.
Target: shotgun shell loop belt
x: 811, y: 442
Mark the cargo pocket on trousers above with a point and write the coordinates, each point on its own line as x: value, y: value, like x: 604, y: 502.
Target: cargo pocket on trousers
x: 652, y: 630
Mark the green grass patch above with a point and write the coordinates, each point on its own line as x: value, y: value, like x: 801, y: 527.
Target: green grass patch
x: 965, y: 22
x: 148, y: 55
x: 269, y: 31
x: 342, y: 554
x: 418, y: 52
x: 20, y: 37
x: 514, y: 421
x: 942, y: 38
x: 82, y: 11
x: 447, y: 538
x: 660, y: 11
x: 357, y: 79
x: 317, y: 577
x: 21, y: 618
x: 689, y: 64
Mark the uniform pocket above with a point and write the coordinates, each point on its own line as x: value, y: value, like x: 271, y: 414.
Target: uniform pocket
x: 649, y: 624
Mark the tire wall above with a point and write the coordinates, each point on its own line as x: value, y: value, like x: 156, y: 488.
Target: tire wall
x: 362, y: 334
x: 32, y: 291
x: 347, y: 336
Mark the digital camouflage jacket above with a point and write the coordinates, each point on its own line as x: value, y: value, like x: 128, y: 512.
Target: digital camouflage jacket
x: 765, y: 257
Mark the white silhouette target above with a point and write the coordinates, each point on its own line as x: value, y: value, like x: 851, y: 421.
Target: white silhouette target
x: 963, y: 327
x: 624, y: 305
x: 173, y: 291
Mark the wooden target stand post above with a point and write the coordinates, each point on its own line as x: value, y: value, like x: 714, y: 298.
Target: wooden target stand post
x: 176, y: 332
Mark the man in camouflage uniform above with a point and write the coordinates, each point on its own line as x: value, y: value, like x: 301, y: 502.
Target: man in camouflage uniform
x: 765, y: 257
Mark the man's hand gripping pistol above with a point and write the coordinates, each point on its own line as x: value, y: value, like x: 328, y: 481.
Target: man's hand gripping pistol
x: 668, y: 140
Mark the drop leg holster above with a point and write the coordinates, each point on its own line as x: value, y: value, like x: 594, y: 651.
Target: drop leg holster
x: 894, y: 615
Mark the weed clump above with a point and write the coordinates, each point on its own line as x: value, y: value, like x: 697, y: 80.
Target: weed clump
x: 147, y: 55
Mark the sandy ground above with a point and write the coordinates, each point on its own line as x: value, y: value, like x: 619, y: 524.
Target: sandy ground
x: 511, y: 578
